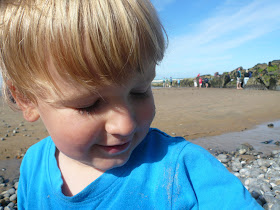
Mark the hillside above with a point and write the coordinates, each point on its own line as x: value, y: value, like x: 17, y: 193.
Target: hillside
x: 264, y: 77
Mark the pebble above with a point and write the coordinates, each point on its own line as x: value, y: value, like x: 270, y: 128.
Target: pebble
x: 8, y: 199
x: 13, y: 197
x: 270, y: 125
x: 259, y: 173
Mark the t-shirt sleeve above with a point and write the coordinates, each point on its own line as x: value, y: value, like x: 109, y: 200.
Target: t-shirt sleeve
x: 213, y: 185
x: 22, y: 186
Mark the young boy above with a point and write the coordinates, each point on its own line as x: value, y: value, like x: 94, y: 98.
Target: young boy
x: 85, y: 68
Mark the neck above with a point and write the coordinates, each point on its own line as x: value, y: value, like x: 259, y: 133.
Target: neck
x: 75, y: 175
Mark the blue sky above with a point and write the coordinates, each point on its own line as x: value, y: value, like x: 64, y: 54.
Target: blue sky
x: 208, y: 36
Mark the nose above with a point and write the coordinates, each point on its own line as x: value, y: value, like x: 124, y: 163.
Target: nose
x: 121, y: 121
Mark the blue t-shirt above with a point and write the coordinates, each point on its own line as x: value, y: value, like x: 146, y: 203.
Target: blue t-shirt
x: 163, y: 172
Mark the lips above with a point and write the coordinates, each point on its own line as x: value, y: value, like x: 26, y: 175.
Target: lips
x: 116, y: 148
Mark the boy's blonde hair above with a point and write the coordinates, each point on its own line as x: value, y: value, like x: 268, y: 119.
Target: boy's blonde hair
x: 91, y: 42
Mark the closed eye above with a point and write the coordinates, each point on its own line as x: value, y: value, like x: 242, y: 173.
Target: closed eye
x: 141, y: 94
x: 90, y: 109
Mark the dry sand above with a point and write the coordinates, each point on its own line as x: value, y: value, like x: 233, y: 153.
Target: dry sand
x: 187, y: 112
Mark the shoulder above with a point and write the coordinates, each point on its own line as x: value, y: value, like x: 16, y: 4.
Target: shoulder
x: 36, y: 152
x: 173, y: 147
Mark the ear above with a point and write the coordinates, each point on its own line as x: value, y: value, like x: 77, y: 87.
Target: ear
x: 28, y: 108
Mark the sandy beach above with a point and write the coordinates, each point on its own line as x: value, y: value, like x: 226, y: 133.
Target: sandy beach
x: 194, y: 113
x: 188, y: 112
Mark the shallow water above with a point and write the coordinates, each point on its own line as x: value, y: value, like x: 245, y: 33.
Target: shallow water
x: 255, y: 137
x: 228, y: 142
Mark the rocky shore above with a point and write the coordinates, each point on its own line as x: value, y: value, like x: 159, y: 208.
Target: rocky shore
x: 265, y: 76
x: 259, y: 173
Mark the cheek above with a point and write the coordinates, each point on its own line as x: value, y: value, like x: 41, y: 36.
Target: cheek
x: 69, y: 129
x: 146, y: 112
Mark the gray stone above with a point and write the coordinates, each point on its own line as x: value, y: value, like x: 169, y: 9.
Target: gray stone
x: 242, y: 151
x: 236, y: 166
x: 269, y: 197
x: 7, y: 195
x: 11, y: 204
x: 244, y: 172
x: 223, y: 158
x: 16, y: 185
x: 262, y: 162
x: 13, y: 197
x: 276, y: 206
x: 246, y: 146
x: 265, y: 187
x: 255, y: 172
x: 275, y: 152
x: 11, y: 191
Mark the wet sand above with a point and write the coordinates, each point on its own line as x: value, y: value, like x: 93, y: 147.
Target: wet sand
x: 194, y: 113
x: 188, y: 112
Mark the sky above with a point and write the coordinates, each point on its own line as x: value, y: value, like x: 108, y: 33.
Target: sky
x: 208, y: 36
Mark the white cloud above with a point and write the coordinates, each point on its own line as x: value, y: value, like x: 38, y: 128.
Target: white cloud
x: 213, y: 39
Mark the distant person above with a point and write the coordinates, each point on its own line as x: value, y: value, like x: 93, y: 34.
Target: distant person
x: 250, y: 74
x: 206, y: 82
x: 200, y: 82
x: 163, y: 82
x: 195, y: 83
x: 170, y: 81
x: 178, y: 82
x: 246, y: 77
x: 238, y: 79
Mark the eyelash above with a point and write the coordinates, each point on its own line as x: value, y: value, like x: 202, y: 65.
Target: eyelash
x: 90, y: 109
x: 140, y: 94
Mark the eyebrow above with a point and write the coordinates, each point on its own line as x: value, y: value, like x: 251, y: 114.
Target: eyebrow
x: 80, y: 100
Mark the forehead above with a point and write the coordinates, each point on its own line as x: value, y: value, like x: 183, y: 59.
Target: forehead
x: 69, y: 89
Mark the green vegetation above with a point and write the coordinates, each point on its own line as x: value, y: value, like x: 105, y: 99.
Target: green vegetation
x: 272, y: 68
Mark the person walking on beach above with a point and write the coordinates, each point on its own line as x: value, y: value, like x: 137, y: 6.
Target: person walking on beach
x: 178, y: 82
x: 195, y: 83
x: 163, y: 82
x: 200, y: 82
x: 246, y: 77
x: 170, y: 82
x: 206, y: 82
x: 91, y: 87
x: 238, y: 79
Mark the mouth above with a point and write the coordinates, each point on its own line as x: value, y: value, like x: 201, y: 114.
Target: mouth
x: 116, y: 149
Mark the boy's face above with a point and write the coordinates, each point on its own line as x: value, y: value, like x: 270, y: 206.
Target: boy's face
x: 100, y: 130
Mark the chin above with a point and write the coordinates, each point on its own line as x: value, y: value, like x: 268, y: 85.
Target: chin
x: 107, y: 165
